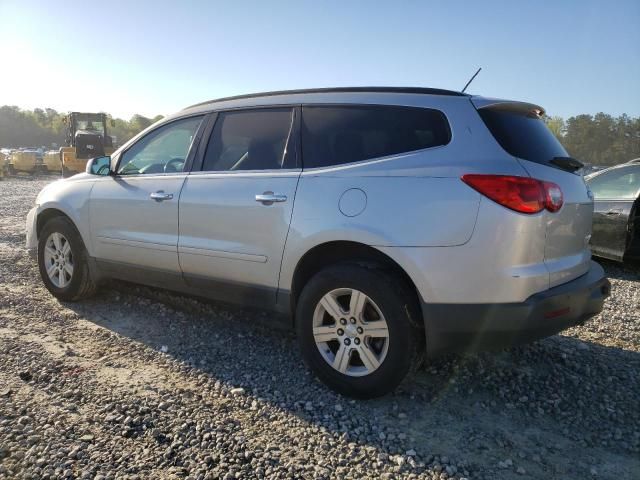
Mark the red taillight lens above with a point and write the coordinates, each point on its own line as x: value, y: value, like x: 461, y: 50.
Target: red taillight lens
x: 553, y: 198
x: 522, y: 194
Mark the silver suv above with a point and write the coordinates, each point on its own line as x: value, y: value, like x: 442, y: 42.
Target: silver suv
x: 386, y: 222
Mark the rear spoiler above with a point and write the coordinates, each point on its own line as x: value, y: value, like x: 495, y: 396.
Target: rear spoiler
x: 509, y: 105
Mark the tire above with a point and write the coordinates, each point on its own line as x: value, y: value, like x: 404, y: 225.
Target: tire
x: 79, y: 283
x: 389, y: 299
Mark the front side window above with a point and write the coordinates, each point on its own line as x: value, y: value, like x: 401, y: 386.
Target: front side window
x: 335, y: 135
x: 620, y: 183
x: 251, y: 140
x: 164, y: 150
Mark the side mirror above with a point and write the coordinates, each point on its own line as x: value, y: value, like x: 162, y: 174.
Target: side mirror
x: 99, y: 166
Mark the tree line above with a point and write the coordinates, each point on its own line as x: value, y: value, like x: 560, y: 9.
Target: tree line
x: 44, y: 127
x: 599, y: 139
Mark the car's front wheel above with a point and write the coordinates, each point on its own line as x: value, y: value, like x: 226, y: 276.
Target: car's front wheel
x: 63, y: 261
x: 358, y: 329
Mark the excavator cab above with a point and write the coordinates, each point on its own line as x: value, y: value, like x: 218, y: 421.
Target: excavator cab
x: 87, y: 137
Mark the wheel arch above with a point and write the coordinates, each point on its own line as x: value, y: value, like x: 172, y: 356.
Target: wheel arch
x: 342, y: 251
x: 52, y: 212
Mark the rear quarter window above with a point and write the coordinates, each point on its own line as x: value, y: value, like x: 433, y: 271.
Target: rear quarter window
x: 523, y: 135
x: 335, y: 135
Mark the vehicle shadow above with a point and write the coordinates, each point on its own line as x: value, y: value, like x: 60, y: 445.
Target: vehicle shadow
x: 490, y: 406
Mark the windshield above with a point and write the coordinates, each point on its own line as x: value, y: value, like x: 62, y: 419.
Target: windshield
x: 90, y: 123
x: 523, y: 135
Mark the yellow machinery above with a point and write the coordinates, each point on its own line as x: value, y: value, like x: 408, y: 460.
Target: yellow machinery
x: 52, y: 161
x: 87, y: 137
x: 23, y: 161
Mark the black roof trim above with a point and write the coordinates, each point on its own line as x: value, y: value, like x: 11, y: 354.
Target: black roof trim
x: 415, y: 90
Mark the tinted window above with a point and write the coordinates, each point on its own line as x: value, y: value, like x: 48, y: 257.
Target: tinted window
x: 251, y: 140
x: 335, y: 135
x: 620, y: 183
x: 522, y: 135
x: 164, y: 150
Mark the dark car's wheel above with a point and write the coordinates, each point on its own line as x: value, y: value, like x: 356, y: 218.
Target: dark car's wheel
x: 63, y: 261
x: 358, y: 330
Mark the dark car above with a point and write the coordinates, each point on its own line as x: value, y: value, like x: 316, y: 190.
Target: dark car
x: 616, y: 219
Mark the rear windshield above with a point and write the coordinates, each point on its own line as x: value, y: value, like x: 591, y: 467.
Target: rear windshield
x: 522, y: 135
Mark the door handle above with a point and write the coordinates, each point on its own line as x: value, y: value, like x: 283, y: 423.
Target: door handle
x: 160, y: 196
x: 268, y: 198
x: 614, y: 211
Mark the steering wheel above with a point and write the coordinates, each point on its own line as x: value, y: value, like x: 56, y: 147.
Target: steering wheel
x: 171, y: 163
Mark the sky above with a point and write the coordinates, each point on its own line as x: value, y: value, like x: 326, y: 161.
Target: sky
x: 156, y: 57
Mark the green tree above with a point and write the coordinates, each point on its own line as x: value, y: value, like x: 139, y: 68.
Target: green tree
x: 43, y: 127
x: 556, y: 125
x: 139, y: 123
x: 602, y: 139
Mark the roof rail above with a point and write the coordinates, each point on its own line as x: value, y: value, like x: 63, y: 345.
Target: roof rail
x: 415, y: 90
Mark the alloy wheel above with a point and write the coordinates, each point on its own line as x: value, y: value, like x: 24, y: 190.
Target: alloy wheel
x: 58, y: 260
x: 350, y: 332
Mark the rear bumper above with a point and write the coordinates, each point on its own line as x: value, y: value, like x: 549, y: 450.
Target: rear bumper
x: 472, y: 327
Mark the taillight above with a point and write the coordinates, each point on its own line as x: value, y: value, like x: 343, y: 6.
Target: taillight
x: 521, y: 194
x: 553, y: 198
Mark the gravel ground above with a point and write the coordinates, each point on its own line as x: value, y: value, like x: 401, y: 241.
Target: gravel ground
x: 141, y: 383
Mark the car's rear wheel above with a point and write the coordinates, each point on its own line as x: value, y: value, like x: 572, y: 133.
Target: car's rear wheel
x: 358, y: 329
x: 63, y: 261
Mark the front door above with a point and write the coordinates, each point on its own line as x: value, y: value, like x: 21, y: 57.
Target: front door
x: 614, y: 191
x: 134, y: 213
x: 235, y: 212
x: 610, y: 223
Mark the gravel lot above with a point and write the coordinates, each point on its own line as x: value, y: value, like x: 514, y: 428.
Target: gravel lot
x: 141, y: 383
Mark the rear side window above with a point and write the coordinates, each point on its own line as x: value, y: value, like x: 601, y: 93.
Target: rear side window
x: 523, y: 135
x: 335, y: 135
x: 251, y: 140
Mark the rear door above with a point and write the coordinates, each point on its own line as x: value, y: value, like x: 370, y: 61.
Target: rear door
x: 615, y: 192
x: 520, y: 131
x: 235, y: 212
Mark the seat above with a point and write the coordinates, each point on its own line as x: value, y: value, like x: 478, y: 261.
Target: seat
x: 261, y: 156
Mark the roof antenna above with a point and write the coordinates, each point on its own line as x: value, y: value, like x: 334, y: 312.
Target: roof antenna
x: 469, y: 82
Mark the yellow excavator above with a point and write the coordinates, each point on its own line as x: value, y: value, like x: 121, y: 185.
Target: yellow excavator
x: 87, y: 137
